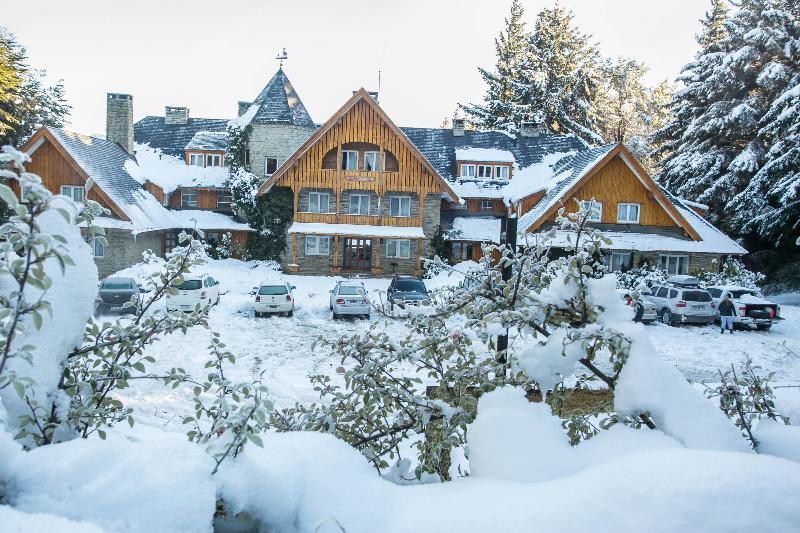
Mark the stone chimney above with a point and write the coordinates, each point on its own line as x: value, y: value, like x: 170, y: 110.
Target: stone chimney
x: 119, y: 120
x: 176, y: 115
x: 243, y: 107
x: 458, y: 127
x: 529, y: 129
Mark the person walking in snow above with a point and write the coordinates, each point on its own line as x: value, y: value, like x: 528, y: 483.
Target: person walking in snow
x: 726, y: 313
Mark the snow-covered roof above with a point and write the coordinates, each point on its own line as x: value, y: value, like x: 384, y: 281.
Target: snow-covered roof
x: 169, y: 172
x: 206, y: 220
x: 279, y: 103
x: 713, y: 240
x: 359, y: 230
x: 172, y: 139
x: 480, y: 229
x: 209, y: 140
x: 493, y: 155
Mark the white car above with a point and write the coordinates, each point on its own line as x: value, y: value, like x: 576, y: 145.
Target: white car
x: 199, y: 289
x: 682, y: 301
x: 643, y: 309
x: 349, y: 298
x: 751, y: 308
x: 273, y: 297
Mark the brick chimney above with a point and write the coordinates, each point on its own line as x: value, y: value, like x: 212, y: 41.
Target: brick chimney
x: 458, y: 127
x: 529, y: 129
x: 243, y: 107
x: 176, y: 115
x: 119, y: 120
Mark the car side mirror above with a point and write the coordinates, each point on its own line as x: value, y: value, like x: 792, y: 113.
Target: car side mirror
x: 293, y: 287
x: 331, y: 291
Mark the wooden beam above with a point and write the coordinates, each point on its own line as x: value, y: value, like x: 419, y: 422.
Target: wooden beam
x: 294, y: 248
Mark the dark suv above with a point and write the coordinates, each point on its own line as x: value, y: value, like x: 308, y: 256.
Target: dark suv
x: 407, y: 290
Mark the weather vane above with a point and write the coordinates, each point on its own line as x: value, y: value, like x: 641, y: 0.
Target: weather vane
x: 282, y: 56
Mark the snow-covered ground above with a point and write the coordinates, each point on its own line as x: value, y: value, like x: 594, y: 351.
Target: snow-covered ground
x: 282, y: 349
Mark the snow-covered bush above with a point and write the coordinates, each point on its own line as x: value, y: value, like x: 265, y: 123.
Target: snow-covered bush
x: 733, y: 273
x: 641, y: 277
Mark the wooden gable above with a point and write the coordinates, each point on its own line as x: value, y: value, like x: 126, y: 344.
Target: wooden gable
x: 360, y: 121
x: 619, y: 178
x: 53, y: 164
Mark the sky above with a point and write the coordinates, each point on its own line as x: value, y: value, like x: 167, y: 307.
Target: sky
x: 207, y: 55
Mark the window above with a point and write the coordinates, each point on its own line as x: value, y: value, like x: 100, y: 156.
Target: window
x: 400, y: 206
x: 359, y: 204
x: 73, y: 191
x: 673, y: 294
x: 594, y: 208
x: 662, y: 292
x: 501, y: 172
x: 213, y: 160
x: 674, y: 264
x: 247, y: 157
x: 188, y: 197
x: 197, y: 160
x: 224, y: 199
x: 316, y: 245
x: 270, y: 165
x: 398, y: 248
x: 618, y: 261
x: 487, y: 205
x: 467, y: 171
x: 318, y: 202
x: 372, y: 161
x: 99, y: 247
x: 628, y: 213
x: 349, y: 160
x: 716, y: 293
x: 461, y: 250
x: 484, y: 171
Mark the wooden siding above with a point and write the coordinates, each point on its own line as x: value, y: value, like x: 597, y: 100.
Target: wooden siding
x: 155, y: 190
x: 528, y: 203
x: 359, y: 128
x: 206, y: 199
x: 613, y: 184
x: 474, y: 206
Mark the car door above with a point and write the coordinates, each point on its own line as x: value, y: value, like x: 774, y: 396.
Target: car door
x: 658, y: 297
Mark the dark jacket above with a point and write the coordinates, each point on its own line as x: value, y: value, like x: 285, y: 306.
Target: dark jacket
x: 726, y: 308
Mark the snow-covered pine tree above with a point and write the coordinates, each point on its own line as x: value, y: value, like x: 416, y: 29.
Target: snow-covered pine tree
x: 500, y: 110
x: 559, y: 79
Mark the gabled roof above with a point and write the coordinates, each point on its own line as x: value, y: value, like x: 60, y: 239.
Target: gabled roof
x: 279, y: 103
x: 209, y: 140
x: 360, y: 95
x: 172, y: 139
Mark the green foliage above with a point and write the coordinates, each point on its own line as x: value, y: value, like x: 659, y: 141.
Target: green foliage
x: 25, y: 102
x: 733, y: 272
x: 440, y: 247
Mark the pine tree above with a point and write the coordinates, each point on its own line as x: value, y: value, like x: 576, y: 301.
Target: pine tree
x: 500, y: 109
x: 25, y: 101
x: 714, y: 31
x: 559, y: 83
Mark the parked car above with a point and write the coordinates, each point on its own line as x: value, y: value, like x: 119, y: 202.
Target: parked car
x: 273, y: 297
x: 114, y: 292
x: 199, y: 289
x: 349, y: 298
x: 644, y: 309
x: 751, y: 308
x: 407, y: 290
x: 682, y: 301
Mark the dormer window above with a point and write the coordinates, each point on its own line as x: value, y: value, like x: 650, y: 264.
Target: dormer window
x: 372, y: 161
x: 467, y: 170
x: 349, y: 160
x: 197, y: 160
x: 213, y: 160
x: 501, y: 172
x: 484, y: 171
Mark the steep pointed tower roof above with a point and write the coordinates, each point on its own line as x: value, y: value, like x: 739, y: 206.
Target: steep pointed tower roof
x: 279, y: 104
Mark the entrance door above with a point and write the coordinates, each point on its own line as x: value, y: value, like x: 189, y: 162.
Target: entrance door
x: 357, y: 254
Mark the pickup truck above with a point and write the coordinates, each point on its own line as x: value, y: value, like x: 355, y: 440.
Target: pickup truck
x: 751, y: 308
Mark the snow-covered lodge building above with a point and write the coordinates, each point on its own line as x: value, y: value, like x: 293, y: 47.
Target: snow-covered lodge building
x: 368, y: 195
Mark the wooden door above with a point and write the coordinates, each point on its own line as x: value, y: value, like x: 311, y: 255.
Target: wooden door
x: 357, y: 254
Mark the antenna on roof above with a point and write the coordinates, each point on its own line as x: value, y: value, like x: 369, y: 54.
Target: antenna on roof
x: 282, y: 57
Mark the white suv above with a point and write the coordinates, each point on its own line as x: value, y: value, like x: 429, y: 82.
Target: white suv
x: 272, y: 297
x: 195, y: 290
x: 682, y: 301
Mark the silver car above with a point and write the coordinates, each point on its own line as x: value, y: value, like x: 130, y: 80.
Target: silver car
x: 349, y: 298
x: 643, y: 309
x: 682, y: 301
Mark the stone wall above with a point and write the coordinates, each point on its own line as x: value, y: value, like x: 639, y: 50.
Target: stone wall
x: 274, y: 140
x: 302, y: 199
x: 125, y: 249
x: 119, y: 120
x: 344, y: 201
x: 430, y: 220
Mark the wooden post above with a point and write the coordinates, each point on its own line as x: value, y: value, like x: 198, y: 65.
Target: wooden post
x: 419, y: 257
x: 335, y: 269
x: 377, y: 270
x: 508, y: 236
x: 294, y: 267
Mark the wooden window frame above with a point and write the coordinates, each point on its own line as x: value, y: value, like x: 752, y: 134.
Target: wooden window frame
x: 345, y: 157
x: 194, y: 156
x: 189, y: 192
x: 663, y: 263
x: 626, y: 261
x: 507, y: 172
x: 319, y: 194
x: 478, y: 168
x: 214, y: 157
x: 394, y: 244
x: 465, y: 166
x: 350, y: 206
x: 399, y: 206
x: 71, y: 192
x: 627, y: 206
x: 316, y: 239
x: 267, y: 159
x: 377, y: 156
x: 593, y: 203
x: 95, y: 244
x: 225, y: 204
x: 486, y: 205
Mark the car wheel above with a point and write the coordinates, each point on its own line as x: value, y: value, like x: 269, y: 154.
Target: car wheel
x: 290, y: 313
x: 335, y: 316
x: 763, y: 327
x: 666, y: 317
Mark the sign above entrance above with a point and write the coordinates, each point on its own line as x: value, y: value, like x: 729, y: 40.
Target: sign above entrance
x: 363, y: 179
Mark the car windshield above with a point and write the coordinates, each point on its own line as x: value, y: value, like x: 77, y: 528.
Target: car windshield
x: 272, y: 290
x: 117, y: 284
x: 410, y: 286
x: 344, y: 290
x: 696, y: 296
x: 739, y: 294
x: 190, y: 285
